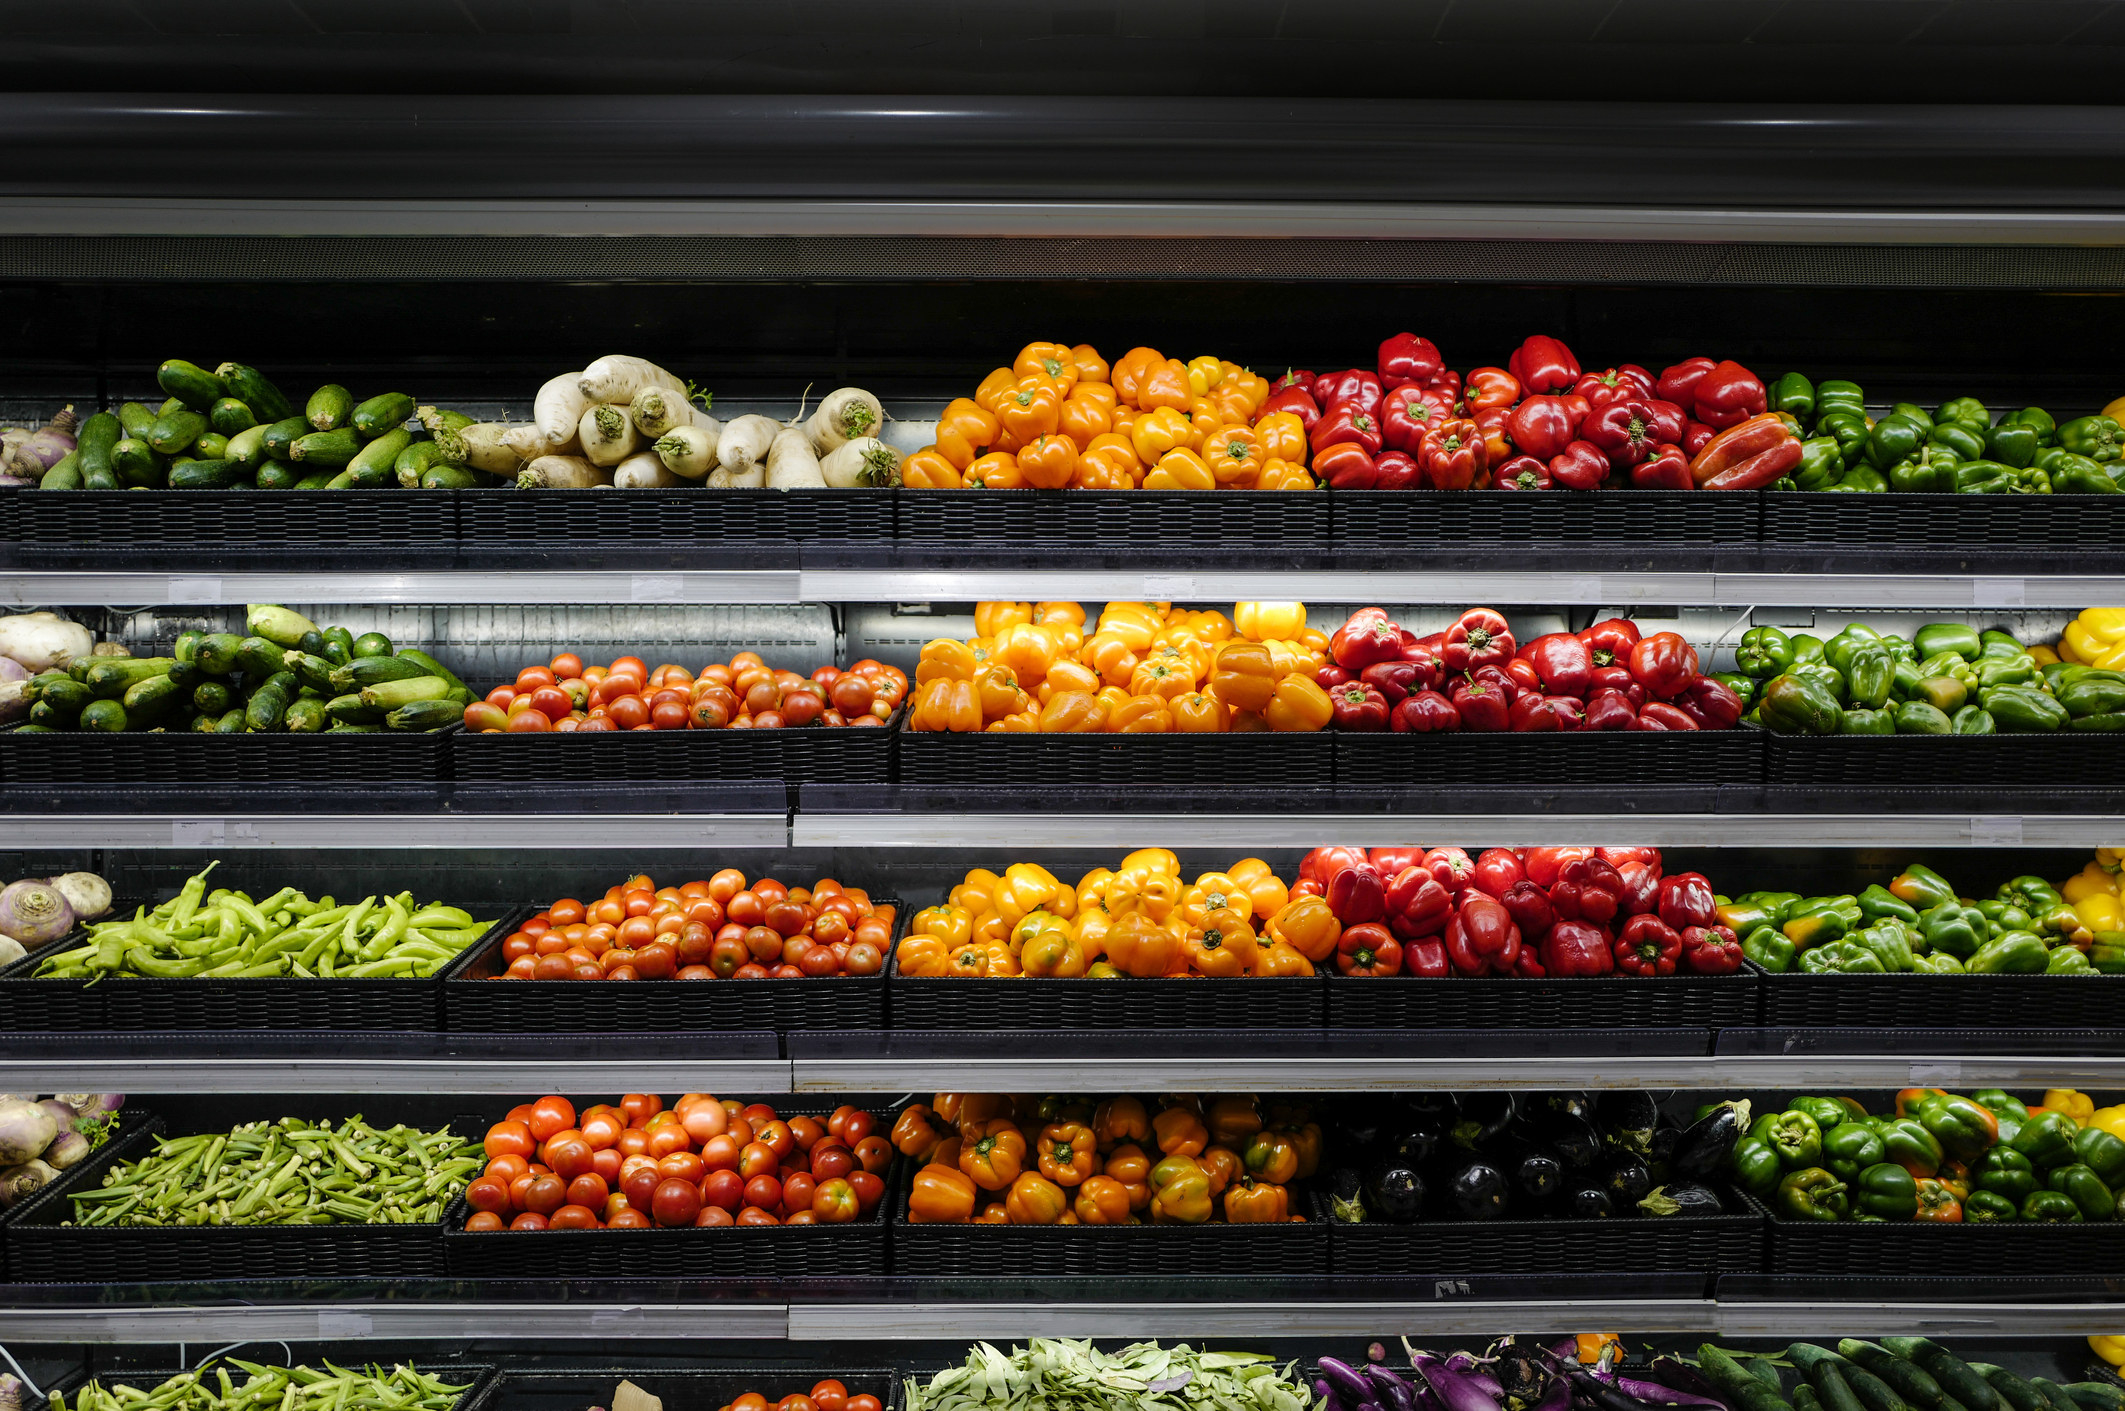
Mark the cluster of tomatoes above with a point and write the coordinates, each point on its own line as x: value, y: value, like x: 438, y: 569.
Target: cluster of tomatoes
x: 703, y: 1161
x: 565, y: 696
x: 829, y: 1395
x: 722, y: 929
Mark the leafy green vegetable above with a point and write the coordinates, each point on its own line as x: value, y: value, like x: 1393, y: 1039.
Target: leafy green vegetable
x: 1062, y: 1374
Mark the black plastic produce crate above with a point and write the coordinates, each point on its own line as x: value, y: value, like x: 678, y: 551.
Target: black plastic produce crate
x: 125, y: 1006
x: 768, y: 1252
x: 474, y: 1002
x: 94, y: 759
x: 1020, y: 1002
x: 1914, y: 1001
x: 1925, y: 1249
x: 1678, y: 1001
x: 1074, y: 762
x: 680, y: 1388
x: 2069, y: 527
x: 193, y: 529
x: 815, y: 755
x: 1293, y: 1249
x: 1607, y: 762
x: 1176, y: 521
x: 1676, y: 520
x: 1731, y: 1243
x: 2005, y: 764
x: 706, y: 519
x: 42, y: 1250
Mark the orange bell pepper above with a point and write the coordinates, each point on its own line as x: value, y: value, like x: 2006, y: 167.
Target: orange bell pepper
x: 1129, y: 1165
x: 990, y: 393
x: 916, y: 1133
x: 1223, y: 947
x: 979, y: 1107
x: 977, y: 893
x: 964, y: 431
x: 1234, y: 455
x: 1266, y: 892
x: 945, y: 705
x: 1049, y: 462
x: 1298, y: 705
x: 1204, y: 373
x: 1112, y: 657
x: 1252, y: 1202
x: 1198, y: 714
x: 1023, y: 722
x: 1155, y: 433
x: 1139, y: 890
x: 1179, y: 470
x: 1129, y: 373
x: 1306, y: 1139
x: 944, y: 659
x: 1026, y: 887
x: 1059, y: 614
x: 1113, y: 698
x: 1308, y: 926
x: 1166, y: 385
x: 1205, y: 419
x: 1232, y: 403
x: 1166, y: 677
x: 1083, y: 419
x: 1091, y: 367
x: 1031, y: 409
x: 992, y: 618
x: 1065, y: 1153
x: 1120, y: 446
x: 1270, y: 1156
x: 1215, y: 891
x: 1119, y: 1120
x: 1068, y: 676
x: 1243, y: 676
x: 1179, y: 1131
x: 1028, y: 649
x: 998, y: 470
x: 930, y: 469
x: 1145, y: 861
x: 1279, y: 961
x: 1221, y: 1164
x: 1141, y: 946
x: 951, y: 924
x: 1102, y: 1200
x: 1136, y: 623
x: 994, y: 1153
x: 1073, y: 713
x: 1052, y: 950
x: 941, y: 1195
x: 1050, y: 360
x: 968, y: 962
x: 921, y: 955
x: 1256, y: 386
x: 1141, y: 715
x: 1035, y: 1200
x: 997, y: 690
x: 1105, y: 468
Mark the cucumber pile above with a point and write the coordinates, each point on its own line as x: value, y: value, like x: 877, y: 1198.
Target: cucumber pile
x: 232, y: 429
x: 287, y: 674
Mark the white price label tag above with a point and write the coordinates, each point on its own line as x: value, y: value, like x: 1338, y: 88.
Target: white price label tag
x: 1944, y: 1073
x: 1449, y: 1288
x: 658, y: 587
x: 343, y: 1325
x: 1996, y: 592
x: 198, y: 832
x: 195, y: 590
x: 1996, y: 831
x: 1166, y: 587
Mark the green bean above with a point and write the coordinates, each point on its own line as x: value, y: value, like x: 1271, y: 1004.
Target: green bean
x: 273, y: 1389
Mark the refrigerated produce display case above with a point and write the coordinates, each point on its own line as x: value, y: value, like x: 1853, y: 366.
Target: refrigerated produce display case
x: 1398, y: 708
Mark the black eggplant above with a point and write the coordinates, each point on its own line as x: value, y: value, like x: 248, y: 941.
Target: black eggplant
x: 1346, y: 1197
x: 1709, y: 1141
x: 1483, y: 1117
x: 1577, y: 1104
x: 1415, y: 1144
x: 1442, y: 1108
x: 1395, y: 1192
x: 1628, y: 1181
x: 1478, y: 1191
x: 1682, y: 1198
x: 1573, y: 1138
x: 1628, y: 1119
x: 1360, y: 1131
x: 1392, y: 1392
x: 1521, y: 1378
x: 1666, y: 1138
x: 1536, y: 1172
x: 1589, y: 1202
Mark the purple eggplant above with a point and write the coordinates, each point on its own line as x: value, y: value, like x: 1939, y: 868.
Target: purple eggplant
x: 1325, y: 1390
x: 1677, y: 1375
x: 1394, y: 1393
x: 1609, y: 1392
x: 1557, y: 1398
x: 1478, y: 1371
x: 1349, y: 1382
x: 1455, y: 1391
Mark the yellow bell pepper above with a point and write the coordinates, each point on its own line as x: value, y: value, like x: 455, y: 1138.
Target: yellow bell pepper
x: 1092, y: 934
x: 1155, y: 433
x: 1047, y: 946
x: 1132, y: 624
x: 950, y: 924
x: 2082, y: 641
x: 2108, y: 1119
x: 2042, y: 655
x: 1026, y: 887
x: 2089, y: 881
x: 1261, y: 621
x: 1298, y: 705
x: 945, y: 659
x: 1215, y: 891
x: 1204, y: 373
x: 1154, y: 895
x: 1180, y: 469
x: 992, y: 618
x: 2065, y: 650
x: 2074, y: 1104
x: 2100, y: 912
x: 1153, y: 860
x: 977, y: 893
x: 2112, y: 659
x: 2108, y: 624
x: 1092, y: 891
x: 2110, y: 1349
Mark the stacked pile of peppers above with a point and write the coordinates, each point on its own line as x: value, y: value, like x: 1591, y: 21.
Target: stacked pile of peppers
x: 1939, y: 1157
x: 1529, y: 912
x: 1948, y: 679
x: 1959, y: 447
x: 1917, y: 924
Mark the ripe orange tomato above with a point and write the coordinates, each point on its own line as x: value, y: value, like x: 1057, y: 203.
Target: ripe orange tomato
x: 534, y: 676
x: 566, y: 664
x: 830, y: 1395
x: 482, y: 1221
x: 509, y: 1139
x: 640, y: 1107
x: 551, y: 1114
x: 530, y: 722
x: 627, y: 712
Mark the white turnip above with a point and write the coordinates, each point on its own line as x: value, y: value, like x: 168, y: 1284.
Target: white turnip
x: 846, y: 414
x: 687, y: 450
x: 26, y: 1129
x: 66, y: 1149
x: 643, y: 471
x: 87, y: 894
x: 743, y: 447
x: 19, y: 1183
x: 558, y: 407
x: 33, y: 913
x: 562, y: 473
x: 865, y: 463
x: 484, y: 449
x: 15, y: 701
x: 609, y: 435
x: 615, y: 378
x: 43, y: 640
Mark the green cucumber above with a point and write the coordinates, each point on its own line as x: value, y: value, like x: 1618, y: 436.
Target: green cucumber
x: 211, y: 446
x: 2095, y: 1396
x: 373, y: 464
x: 349, y: 710
x: 2015, y: 1392
x: 347, y: 727
x: 46, y: 716
x: 430, y: 665
x: 278, y: 475
x: 283, y: 627
x: 209, y: 475
x: 1875, y: 1392
x: 136, y: 420
x: 341, y: 480
x: 375, y: 671
x: 137, y: 464
x: 313, y: 671
x: 109, y: 677
x: 2053, y: 1393
x: 334, y: 448
x: 42, y: 680
x: 311, y: 642
x: 231, y: 722
x: 173, y: 404
x: 1953, y: 1375
x: 187, y: 645
x: 390, y: 695
x: 1735, y: 1383
x: 306, y: 716
x: 216, y: 653
x: 281, y: 436
x: 260, y: 661
x: 371, y: 644
x: 248, y: 448
x: 176, y: 432
x: 329, y: 407
x: 386, y: 412
x: 316, y: 480
x: 107, y: 716
x: 149, y: 699
x: 67, y: 696
x: 256, y: 390
x: 425, y: 715
x: 212, y: 697
x: 414, y: 461
x: 443, y: 476
x: 270, y: 702
x: 66, y: 475
x: 190, y: 384
x: 94, y: 443
x: 229, y: 416
x: 339, y: 646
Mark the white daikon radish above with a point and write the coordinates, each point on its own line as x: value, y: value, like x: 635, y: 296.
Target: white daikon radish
x: 657, y: 410
x: 846, y: 414
x: 561, y: 473
x: 744, y: 444
x: 614, y: 379
x: 609, y: 435
x: 724, y: 478
x: 484, y: 449
x: 688, y: 451
x: 529, y: 443
x: 865, y: 463
x: 643, y: 471
x: 558, y: 407
x: 791, y: 464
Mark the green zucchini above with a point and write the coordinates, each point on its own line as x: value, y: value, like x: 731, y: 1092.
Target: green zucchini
x: 373, y: 464
x: 187, y: 645
x: 211, y: 446
x: 171, y: 405
x: 109, y: 677
x: 47, y: 716
x: 444, y: 476
x: 311, y: 643
x: 67, y: 696
x: 248, y: 448
x: 371, y: 644
x: 281, y: 436
x: 374, y: 671
x: 256, y: 390
x: 150, y: 698
x: 390, y: 695
x: 2095, y: 1396
x: 425, y: 715
x: 66, y: 475
x: 260, y: 661
x: 339, y: 646
x: 216, y: 653
x: 349, y: 710
x: 316, y: 480
x: 313, y: 671
x: 306, y: 716
x: 136, y: 420
x: 229, y: 416
x: 333, y: 448
x: 176, y: 432
x: 43, y: 679
x: 190, y: 384
x: 283, y: 627
x: 212, y: 697
x: 430, y: 665
x: 231, y: 722
x: 386, y: 412
x: 1873, y: 1391
x: 270, y: 702
x: 107, y: 716
x: 414, y: 461
x: 329, y: 407
x: 278, y: 475
x: 1735, y: 1383
x: 2053, y: 1393
x: 209, y: 475
x: 98, y: 437
x: 137, y: 464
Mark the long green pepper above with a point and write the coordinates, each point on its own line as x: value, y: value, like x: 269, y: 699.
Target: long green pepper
x: 265, y: 1388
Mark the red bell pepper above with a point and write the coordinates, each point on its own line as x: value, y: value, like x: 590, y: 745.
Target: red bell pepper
x: 1615, y: 678
x: 1615, y: 384
x: 1587, y: 889
x: 1358, y: 706
x: 1353, y: 385
x: 1562, y: 660
x: 1524, y: 677
x: 1659, y: 715
x: 1426, y: 958
x: 1641, y: 887
x: 1367, y: 951
x: 1669, y: 422
x: 1582, y: 466
x: 1489, y: 387
x: 1357, y: 894
x: 1530, y: 908
x: 1759, y: 470
x: 1678, y: 384
x: 1417, y: 906
x: 1728, y: 395
x: 1497, y: 869
x: 1406, y: 358
x: 1577, y: 948
x: 1453, y: 867
x: 1391, y: 861
x: 1323, y: 863
x: 1299, y: 377
x: 1711, y: 950
x: 1610, y: 710
x: 1695, y: 437
x: 1524, y: 473
x: 1499, y: 679
x: 1482, y: 706
x: 1527, y: 967
x: 1397, y: 470
x: 1530, y: 714
x: 1479, y: 637
x: 1543, y: 364
x: 1409, y: 414
x: 1453, y: 456
x: 1610, y: 640
x: 1686, y: 900
x: 1331, y: 676
x: 1491, y: 428
x: 1346, y: 466
x: 1296, y: 400
x: 1491, y: 933
x: 1447, y: 384
x: 1545, y: 865
x: 1459, y: 953
x: 1711, y: 703
x: 1667, y: 468
x: 1544, y: 426
x: 1396, y: 681
x: 1647, y: 946
x: 1345, y: 421
x: 1622, y: 429
x: 1616, y: 857
x: 1569, y: 711
x: 1664, y: 664
x: 1366, y: 636
x: 1424, y: 713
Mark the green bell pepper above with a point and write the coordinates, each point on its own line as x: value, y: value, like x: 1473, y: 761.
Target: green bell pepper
x: 1967, y: 411
x: 1914, y: 412
x: 2101, y: 1153
x: 2005, y: 671
x: 1951, y: 665
x: 1962, y: 442
x: 2001, y: 1103
x: 2007, y: 1172
x: 2084, y: 1188
x: 1887, y: 942
x: 2046, y: 1139
x: 1850, y: 1149
x: 1937, y: 637
x: 2051, y: 1208
x: 2095, y: 693
x: 1812, y: 920
x: 1987, y: 478
x: 1861, y: 480
x: 1983, y: 1207
x: 2022, y: 708
x: 1942, y: 964
x: 1869, y: 672
x: 2096, y: 437
x: 1815, y: 1194
x: 1806, y: 646
x: 1878, y: 901
x: 1907, y: 1143
x: 2010, y: 953
x: 1905, y: 681
x: 1763, y: 652
x: 1756, y: 1168
x: 1768, y: 949
x: 1953, y: 929
x: 1886, y: 1190
x: 1944, y: 693
x: 1793, y: 1135
x: 2005, y: 916
x: 1841, y: 958
x: 2106, y: 724
x: 2039, y: 420
x: 2065, y: 960
x: 1798, y: 705
x: 1822, y: 464
x: 1921, y: 886
x: 1838, y: 650
x: 1822, y: 674
x: 2011, y: 443
x: 1793, y: 394
x: 1829, y: 1113
x: 1975, y: 720
x: 1861, y: 721
x: 1923, y: 718
x: 1994, y: 642
x: 1837, y: 394
x: 1920, y: 474
x: 1753, y: 909
x: 2078, y: 475
x: 2030, y: 892
x: 1743, y: 687
x: 1894, y: 437
x: 1965, y: 1130
x: 1850, y: 430
x: 2107, y: 955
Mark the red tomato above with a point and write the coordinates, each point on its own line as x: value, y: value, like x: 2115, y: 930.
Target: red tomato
x: 639, y: 1185
x: 602, y: 1129
x: 509, y: 1139
x: 657, y: 961
x: 627, y: 712
x: 850, y: 1124
x: 606, y: 1163
x: 864, y: 1402
x: 640, y: 1107
x: 722, y: 1152
x: 863, y: 958
x: 797, y: 1188
x: 551, y: 702
x: 869, y: 1187
x: 481, y: 717
x: 566, y: 664
x: 669, y: 715
x: 683, y: 1164
x: 486, y: 1194
x: 501, y: 696
x: 819, y: 962
x: 852, y: 696
x: 802, y: 708
x: 745, y: 909
x: 725, y: 1189
x: 573, y: 1217
x: 528, y: 1221
x: 623, y: 972
x: 764, y: 943
x: 551, y: 1114
x: 663, y: 1141
x: 831, y: 1158
x: 757, y: 1159
x: 696, y: 943
x: 705, y: 1120
x: 754, y: 1215
x: 764, y: 1191
x: 530, y: 722
x: 796, y: 1401
x: 589, y: 1189
x: 712, y: 1215
x: 770, y: 891
x: 483, y: 1221
x: 788, y: 918
x: 751, y: 1401
x: 532, y: 677
x: 726, y: 884
x: 776, y: 1136
x: 675, y: 1202
x: 629, y: 1219
x: 545, y: 1194
x: 639, y: 667
x: 761, y: 696
x: 874, y: 1153
x: 830, y: 1395
x: 507, y: 1168
x: 570, y: 1157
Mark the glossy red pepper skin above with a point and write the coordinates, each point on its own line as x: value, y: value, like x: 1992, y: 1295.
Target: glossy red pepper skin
x: 1417, y: 906
x: 1491, y: 933
x: 1544, y: 426
x: 1301, y: 378
x: 1710, y: 950
x: 1498, y: 679
x: 1368, y: 951
x: 1686, y: 900
x: 1424, y: 713
x: 1459, y: 953
x: 1497, y: 869
x: 1666, y: 468
x: 1695, y: 437
x: 1641, y: 887
x: 1587, y: 889
x: 1530, y: 714
x: 1331, y: 676
x: 1366, y: 637
x: 1406, y: 358
x: 1664, y: 664
x: 1358, y: 706
x: 1577, y: 948
x: 1611, y: 640
x: 1397, y: 470
x: 1453, y: 456
x: 1581, y: 466
x: 1659, y: 715
x: 1491, y: 429
x: 1356, y: 894
x: 1429, y: 652
x: 1530, y: 908
x: 1426, y: 958
x: 1523, y: 676
x: 1482, y: 706
x: 1759, y: 470
x: 1525, y: 473
x: 1617, y: 856
x: 1409, y: 414
x: 1543, y: 364
x: 1453, y: 867
x: 1615, y: 384
x: 1296, y: 400
x: 1569, y: 711
x: 1345, y: 421
x: 1353, y: 386
x: 1391, y: 861
x: 1479, y: 637
x: 1647, y: 946
x: 1489, y: 387
x: 1396, y: 681
x: 1322, y: 864
x: 1545, y: 865
x: 1563, y: 661
x: 1346, y: 465
x: 1728, y: 395
x: 1447, y: 384
x: 1611, y: 710
x: 1618, y: 679
x: 1711, y: 703
x: 1678, y: 384
x: 1623, y: 429
x: 1527, y: 967
x: 1669, y: 422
